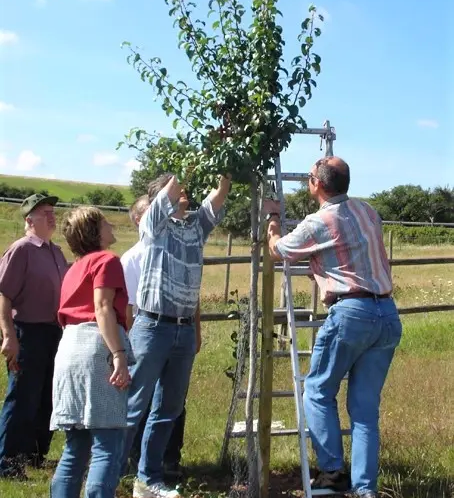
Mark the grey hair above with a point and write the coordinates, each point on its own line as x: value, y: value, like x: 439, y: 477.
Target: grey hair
x: 27, y: 225
x: 138, y: 207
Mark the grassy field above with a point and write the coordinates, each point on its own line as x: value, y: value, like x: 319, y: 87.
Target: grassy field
x: 417, y: 418
x: 64, y: 189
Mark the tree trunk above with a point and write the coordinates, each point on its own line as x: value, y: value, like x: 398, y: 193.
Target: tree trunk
x: 253, y: 488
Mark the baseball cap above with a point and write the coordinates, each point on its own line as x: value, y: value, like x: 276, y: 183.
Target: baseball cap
x: 35, y: 200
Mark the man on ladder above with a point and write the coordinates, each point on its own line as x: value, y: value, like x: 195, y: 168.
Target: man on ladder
x: 344, y: 244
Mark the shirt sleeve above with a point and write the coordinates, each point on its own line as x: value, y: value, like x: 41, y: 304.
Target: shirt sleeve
x: 13, y: 267
x: 208, y: 218
x: 156, y: 215
x: 108, y: 272
x: 298, y: 244
x: 131, y: 270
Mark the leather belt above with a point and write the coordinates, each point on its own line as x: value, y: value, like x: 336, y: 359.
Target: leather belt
x: 179, y: 320
x: 362, y: 294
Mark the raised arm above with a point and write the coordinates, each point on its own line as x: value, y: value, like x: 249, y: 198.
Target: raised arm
x: 161, y: 208
x: 217, y: 197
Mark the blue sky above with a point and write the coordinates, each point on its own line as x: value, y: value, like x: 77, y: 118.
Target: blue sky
x: 67, y: 95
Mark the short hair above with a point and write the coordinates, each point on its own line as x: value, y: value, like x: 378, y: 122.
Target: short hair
x: 157, y: 185
x: 335, y: 180
x: 82, y: 230
x: 138, y: 207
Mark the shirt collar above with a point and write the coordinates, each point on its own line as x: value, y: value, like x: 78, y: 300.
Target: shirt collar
x: 38, y: 241
x: 35, y: 240
x: 334, y: 200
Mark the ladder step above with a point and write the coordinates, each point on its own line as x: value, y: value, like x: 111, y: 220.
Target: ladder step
x: 295, y: 271
x: 282, y: 432
x: 309, y: 324
x: 293, y: 177
x: 313, y: 131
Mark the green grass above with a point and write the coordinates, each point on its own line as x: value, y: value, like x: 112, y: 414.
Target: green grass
x: 64, y: 189
x: 417, y: 419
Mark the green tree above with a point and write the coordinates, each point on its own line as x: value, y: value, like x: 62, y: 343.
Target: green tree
x: 413, y: 203
x: 240, y: 118
x: 300, y: 203
x: 108, y: 196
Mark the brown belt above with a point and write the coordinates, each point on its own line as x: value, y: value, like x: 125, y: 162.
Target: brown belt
x: 360, y: 295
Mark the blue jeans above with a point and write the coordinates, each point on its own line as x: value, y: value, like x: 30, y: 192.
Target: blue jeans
x: 105, y: 447
x: 26, y: 412
x: 359, y: 337
x: 164, y: 354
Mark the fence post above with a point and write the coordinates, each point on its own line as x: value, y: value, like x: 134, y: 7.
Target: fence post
x: 390, y: 244
x: 227, y: 268
x: 266, y: 373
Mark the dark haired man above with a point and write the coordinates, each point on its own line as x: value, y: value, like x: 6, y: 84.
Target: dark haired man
x: 344, y: 244
x: 164, y: 334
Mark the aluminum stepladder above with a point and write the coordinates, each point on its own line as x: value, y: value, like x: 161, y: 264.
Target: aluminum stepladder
x: 328, y: 134
x: 306, y: 318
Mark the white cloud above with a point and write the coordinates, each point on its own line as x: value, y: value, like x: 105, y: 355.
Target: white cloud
x: 131, y: 165
x: 27, y: 161
x: 49, y: 176
x: 40, y: 3
x: 84, y: 138
x: 8, y: 37
x: 105, y: 159
x: 427, y: 123
x: 3, y: 161
x: 4, y: 107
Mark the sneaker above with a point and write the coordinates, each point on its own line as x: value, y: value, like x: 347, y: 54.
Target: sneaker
x: 157, y: 490
x: 336, y: 481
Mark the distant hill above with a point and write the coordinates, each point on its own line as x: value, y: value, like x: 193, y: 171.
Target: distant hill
x: 64, y: 189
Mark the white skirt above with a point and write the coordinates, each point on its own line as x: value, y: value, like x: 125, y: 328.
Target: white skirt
x: 82, y: 396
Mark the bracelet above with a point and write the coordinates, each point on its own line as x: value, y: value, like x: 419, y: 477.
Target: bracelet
x: 118, y: 351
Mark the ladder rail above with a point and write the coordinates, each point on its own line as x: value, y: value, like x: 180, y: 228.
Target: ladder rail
x: 301, y: 420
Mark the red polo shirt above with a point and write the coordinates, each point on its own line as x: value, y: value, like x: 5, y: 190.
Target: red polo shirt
x: 95, y: 270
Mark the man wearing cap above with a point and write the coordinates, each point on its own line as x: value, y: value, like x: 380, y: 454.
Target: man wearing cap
x: 31, y: 272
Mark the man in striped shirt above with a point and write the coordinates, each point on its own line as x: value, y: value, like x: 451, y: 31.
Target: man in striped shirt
x: 164, y: 335
x: 344, y: 244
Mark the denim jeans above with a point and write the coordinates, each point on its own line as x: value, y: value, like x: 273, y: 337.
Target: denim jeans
x: 25, y: 416
x: 172, y: 455
x: 105, y: 447
x: 164, y: 354
x: 359, y: 337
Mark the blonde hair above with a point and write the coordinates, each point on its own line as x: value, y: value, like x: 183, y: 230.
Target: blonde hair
x: 82, y: 230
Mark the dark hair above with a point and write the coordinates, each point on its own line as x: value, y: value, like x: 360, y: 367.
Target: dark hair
x: 82, y: 230
x: 335, y: 180
x: 157, y: 185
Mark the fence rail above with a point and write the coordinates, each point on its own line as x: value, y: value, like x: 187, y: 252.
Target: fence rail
x: 126, y: 209
x: 280, y: 316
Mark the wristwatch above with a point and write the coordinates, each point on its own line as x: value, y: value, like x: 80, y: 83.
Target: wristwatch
x: 270, y: 215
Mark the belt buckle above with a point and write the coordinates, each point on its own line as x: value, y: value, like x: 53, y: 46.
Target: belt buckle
x: 180, y: 320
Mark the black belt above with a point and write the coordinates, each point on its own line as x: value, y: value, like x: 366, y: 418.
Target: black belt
x: 179, y: 320
x: 359, y: 295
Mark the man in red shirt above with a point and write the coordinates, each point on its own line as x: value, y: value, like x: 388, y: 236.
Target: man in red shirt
x: 31, y: 272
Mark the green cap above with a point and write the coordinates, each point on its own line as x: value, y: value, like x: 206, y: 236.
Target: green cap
x: 35, y: 200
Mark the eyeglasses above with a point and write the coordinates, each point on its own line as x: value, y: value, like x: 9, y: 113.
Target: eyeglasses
x: 312, y: 176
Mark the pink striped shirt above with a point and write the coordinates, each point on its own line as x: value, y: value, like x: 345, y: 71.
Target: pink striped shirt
x: 344, y: 244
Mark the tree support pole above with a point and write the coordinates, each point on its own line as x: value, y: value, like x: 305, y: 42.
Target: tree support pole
x: 266, y: 378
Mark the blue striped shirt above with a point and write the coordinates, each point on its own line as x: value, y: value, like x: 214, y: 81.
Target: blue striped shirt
x: 173, y: 256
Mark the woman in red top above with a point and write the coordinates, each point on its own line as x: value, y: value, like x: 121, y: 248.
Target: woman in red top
x: 91, y: 367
